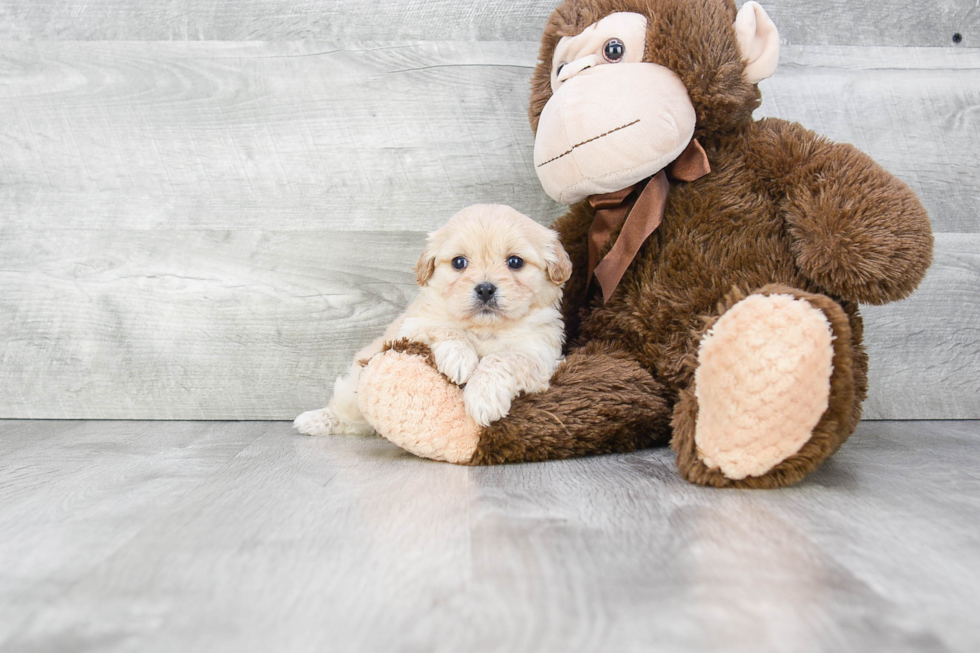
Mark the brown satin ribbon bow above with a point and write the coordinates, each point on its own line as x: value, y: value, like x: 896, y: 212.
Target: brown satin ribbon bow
x: 643, y: 212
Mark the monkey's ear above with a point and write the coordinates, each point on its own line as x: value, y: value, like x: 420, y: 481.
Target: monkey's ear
x: 426, y: 266
x: 558, y: 265
x: 758, y: 40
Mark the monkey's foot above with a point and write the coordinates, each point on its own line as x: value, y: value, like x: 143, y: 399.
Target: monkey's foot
x: 762, y: 383
x: 405, y: 398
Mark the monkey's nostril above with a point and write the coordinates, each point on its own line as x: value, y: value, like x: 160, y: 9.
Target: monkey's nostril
x: 573, y: 68
x: 485, y: 291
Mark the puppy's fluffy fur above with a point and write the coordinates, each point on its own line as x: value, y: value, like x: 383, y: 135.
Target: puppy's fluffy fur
x: 499, y: 345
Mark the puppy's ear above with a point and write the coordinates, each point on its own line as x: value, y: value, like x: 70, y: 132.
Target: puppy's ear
x: 557, y: 264
x: 426, y: 266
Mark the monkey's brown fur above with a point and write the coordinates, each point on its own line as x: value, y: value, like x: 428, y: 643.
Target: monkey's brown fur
x: 783, y: 211
x: 600, y: 401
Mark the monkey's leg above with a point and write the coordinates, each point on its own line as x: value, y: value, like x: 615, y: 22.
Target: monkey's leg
x: 599, y: 402
x: 773, y: 394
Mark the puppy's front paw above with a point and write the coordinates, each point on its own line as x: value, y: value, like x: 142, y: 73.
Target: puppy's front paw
x: 487, y: 398
x: 317, y: 422
x: 456, y: 360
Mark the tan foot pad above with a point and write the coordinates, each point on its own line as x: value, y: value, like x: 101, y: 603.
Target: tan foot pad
x: 412, y: 405
x: 762, y: 383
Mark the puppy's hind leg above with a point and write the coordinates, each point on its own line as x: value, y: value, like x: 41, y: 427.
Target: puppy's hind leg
x: 341, y: 416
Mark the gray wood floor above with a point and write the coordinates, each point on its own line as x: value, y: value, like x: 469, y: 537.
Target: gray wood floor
x: 125, y: 536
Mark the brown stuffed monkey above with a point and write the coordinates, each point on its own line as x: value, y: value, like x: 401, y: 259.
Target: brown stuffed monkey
x: 718, y: 260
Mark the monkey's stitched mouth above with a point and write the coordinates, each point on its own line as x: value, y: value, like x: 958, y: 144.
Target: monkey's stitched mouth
x: 594, y: 138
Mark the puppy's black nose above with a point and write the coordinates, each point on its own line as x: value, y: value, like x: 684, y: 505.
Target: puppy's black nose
x: 485, y: 292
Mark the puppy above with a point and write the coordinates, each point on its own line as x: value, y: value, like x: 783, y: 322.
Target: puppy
x: 491, y: 282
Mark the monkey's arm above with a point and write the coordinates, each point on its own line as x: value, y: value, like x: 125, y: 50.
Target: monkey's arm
x: 857, y: 231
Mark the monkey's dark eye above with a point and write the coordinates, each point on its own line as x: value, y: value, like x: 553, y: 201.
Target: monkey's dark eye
x: 460, y: 263
x: 515, y: 262
x: 614, y: 50
x: 558, y: 69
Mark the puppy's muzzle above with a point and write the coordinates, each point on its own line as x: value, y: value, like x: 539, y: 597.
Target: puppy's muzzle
x: 486, y: 292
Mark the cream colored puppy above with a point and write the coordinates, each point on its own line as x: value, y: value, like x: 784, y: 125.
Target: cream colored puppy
x: 491, y: 283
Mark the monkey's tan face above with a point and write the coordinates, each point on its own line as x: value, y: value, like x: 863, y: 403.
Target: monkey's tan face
x: 492, y: 266
x: 613, y: 119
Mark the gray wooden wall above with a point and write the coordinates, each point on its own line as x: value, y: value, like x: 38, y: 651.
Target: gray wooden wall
x: 207, y: 205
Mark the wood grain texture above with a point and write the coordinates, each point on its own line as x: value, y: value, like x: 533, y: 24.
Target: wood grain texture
x: 247, y: 537
x: 190, y: 324
x: 209, y: 230
x: 256, y: 325
x: 74, y: 494
x: 232, y: 136
x: 832, y: 22
x: 217, y: 136
x: 925, y: 351
x: 914, y: 110
x: 228, y: 136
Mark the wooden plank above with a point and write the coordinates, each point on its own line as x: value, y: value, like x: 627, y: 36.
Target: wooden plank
x: 912, y: 109
x: 925, y: 351
x: 393, y: 137
x: 303, y: 136
x: 72, y: 494
x: 19, y: 434
x: 193, y: 324
x: 256, y: 20
x: 343, y: 522
x: 833, y: 22
x: 875, y: 22
x: 161, y: 324
x: 142, y: 180
x: 279, y: 542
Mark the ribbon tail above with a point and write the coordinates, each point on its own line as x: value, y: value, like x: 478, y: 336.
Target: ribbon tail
x: 605, y: 221
x: 643, y: 220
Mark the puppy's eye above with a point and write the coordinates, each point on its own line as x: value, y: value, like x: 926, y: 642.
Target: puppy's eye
x: 614, y: 50
x: 460, y: 263
x: 515, y: 262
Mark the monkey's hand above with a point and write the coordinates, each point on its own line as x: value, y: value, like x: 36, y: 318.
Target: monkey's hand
x: 856, y: 230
